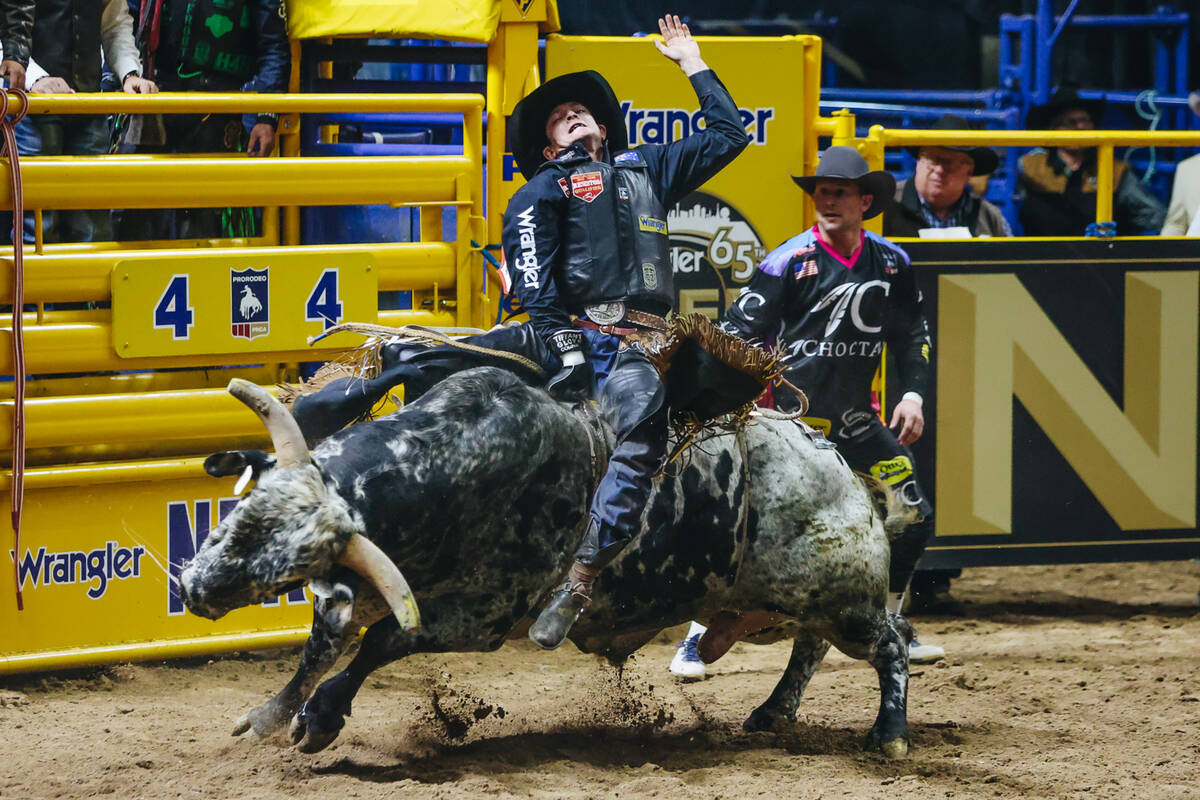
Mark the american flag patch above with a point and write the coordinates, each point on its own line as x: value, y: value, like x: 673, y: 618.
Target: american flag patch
x: 807, y: 270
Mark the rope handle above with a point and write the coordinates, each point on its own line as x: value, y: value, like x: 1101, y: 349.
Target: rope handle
x: 8, y: 121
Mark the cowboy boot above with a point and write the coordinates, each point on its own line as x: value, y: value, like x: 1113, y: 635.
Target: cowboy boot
x: 565, y: 606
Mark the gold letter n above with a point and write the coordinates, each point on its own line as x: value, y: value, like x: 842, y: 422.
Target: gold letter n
x: 995, y: 341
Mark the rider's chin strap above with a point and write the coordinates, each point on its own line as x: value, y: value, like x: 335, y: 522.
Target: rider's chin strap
x: 7, y: 123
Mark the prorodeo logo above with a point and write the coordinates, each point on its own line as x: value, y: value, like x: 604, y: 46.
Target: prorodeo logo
x: 94, y: 568
x: 250, y: 314
x: 714, y: 252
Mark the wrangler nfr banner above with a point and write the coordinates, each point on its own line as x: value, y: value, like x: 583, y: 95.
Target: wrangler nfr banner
x: 1064, y: 423
x: 719, y: 233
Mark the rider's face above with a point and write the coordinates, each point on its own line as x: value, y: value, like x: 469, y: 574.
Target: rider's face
x: 571, y: 122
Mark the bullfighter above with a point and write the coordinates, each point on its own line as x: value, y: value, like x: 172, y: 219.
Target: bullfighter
x: 832, y: 297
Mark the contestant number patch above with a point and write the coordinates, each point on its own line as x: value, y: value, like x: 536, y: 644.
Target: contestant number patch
x: 206, y: 305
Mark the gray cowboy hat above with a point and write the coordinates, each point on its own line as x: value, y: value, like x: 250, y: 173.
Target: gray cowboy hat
x: 841, y: 162
x: 985, y: 158
x: 527, y: 129
x: 1064, y: 99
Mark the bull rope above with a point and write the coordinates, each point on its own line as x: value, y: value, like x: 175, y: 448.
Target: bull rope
x: 17, y: 485
x: 770, y: 413
x: 426, y: 334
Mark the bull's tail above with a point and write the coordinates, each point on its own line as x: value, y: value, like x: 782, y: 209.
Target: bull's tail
x: 893, y: 511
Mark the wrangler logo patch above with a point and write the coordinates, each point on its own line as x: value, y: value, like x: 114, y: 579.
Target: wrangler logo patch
x: 587, y: 186
x: 892, y: 471
x: 651, y: 224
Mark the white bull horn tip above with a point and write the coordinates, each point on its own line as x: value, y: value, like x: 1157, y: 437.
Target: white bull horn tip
x: 290, y: 448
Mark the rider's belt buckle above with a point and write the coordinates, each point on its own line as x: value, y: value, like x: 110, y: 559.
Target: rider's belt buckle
x: 605, y: 314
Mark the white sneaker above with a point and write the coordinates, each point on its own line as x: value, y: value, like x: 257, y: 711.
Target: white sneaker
x: 924, y: 653
x: 687, y: 664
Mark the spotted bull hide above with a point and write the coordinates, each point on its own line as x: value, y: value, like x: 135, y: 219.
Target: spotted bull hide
x: 478, y: 491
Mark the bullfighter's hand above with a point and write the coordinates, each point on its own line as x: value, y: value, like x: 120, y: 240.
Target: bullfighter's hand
x: 14, y: 73
x: 262, y: 141
x: 910, y: 419
x: 136, y: 84
x: 678, y: 45
x: 49, y: 84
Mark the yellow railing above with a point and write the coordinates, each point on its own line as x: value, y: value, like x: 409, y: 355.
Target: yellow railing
x: 840, y: 127
x: 115, y: 444
x: 81, y: 417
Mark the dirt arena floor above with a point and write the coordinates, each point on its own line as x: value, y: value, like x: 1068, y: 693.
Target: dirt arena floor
x: 1062, y: 682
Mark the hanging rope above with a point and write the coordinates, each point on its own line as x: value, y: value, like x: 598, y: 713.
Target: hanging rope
x: 9, y: 120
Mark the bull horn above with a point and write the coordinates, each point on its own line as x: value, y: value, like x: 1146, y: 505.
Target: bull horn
x: 288, y: 441
x: 364, y: 557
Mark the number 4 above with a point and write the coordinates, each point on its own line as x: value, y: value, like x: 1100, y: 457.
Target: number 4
x: 173, y: 310
x: 323, y: 304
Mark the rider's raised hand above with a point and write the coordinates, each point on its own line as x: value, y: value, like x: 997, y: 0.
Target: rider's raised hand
x: 678, y: 45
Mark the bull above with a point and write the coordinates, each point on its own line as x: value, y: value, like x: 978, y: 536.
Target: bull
x: 479, y: 489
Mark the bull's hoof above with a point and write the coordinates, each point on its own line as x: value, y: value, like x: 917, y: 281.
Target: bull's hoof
x: 892, y: 745
x: 308, y: 740
x: 260, y: 723
x: 311, y: 730
x: 762, y: 719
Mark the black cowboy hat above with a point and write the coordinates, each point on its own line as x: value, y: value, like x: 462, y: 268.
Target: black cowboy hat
x: 1064, y: 99
x: 528, y: 123
x: 985, y: 158
x: 845, y: 163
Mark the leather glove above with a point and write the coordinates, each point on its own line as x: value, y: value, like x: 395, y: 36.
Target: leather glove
x: 574, y: 380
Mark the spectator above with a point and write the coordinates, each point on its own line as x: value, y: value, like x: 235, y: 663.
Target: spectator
x: 207, y: 46
x: 62, y: 65
x: 1185, y: 192
x: 16, y: 32
x: 1059, y: 183
x: 939, y: 194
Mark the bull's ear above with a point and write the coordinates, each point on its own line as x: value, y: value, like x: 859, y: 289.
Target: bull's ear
x: 235, y: 462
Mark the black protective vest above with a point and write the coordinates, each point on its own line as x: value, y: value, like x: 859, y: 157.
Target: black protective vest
x: 616, y: 245
x: 66, y: 41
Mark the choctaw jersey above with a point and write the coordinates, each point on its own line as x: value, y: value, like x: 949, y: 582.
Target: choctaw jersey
x: 831, y: 316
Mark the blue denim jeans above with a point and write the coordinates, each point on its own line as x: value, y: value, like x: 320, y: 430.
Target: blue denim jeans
x: 65, y: 136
